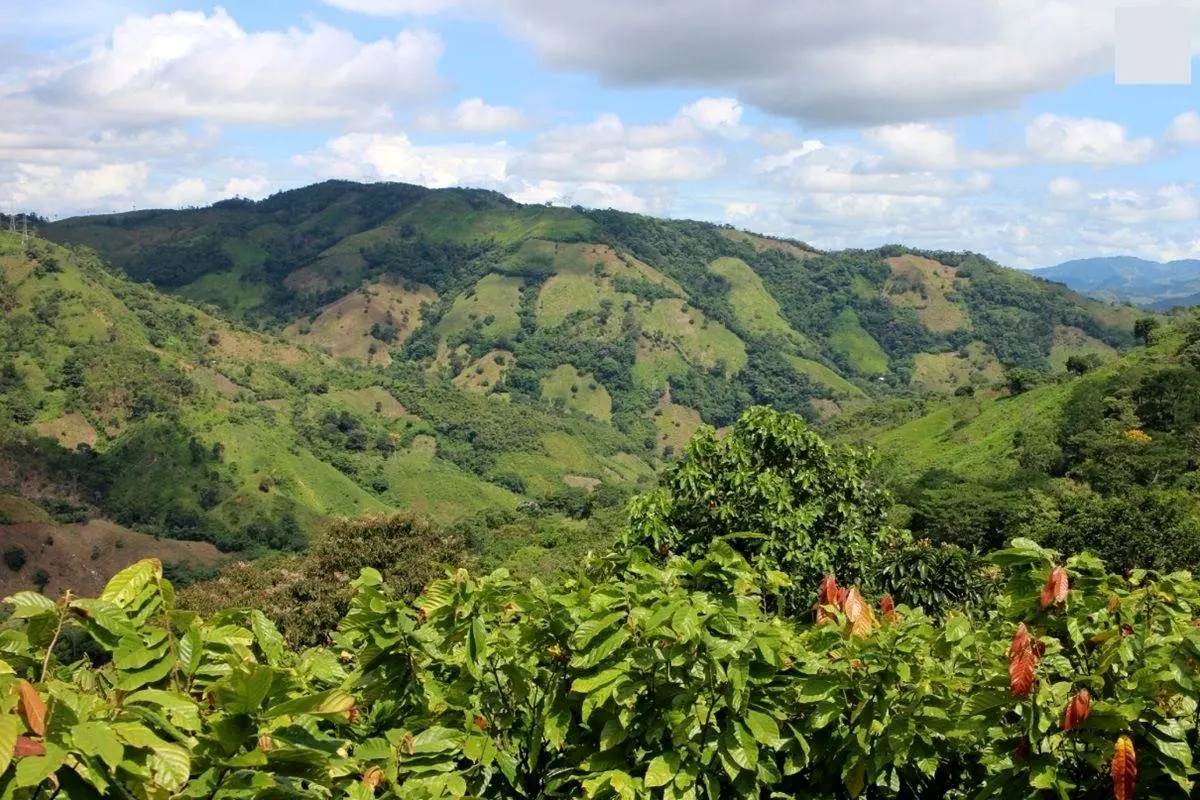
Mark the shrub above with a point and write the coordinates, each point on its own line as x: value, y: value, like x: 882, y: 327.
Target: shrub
x: 14, y: 557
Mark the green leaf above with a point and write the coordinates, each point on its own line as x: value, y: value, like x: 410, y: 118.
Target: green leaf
x: 171, y: 765
x: 32, y: 770
x: 591, y: 658
x: 662, y: 770
x: 127, y: 584
x: 332, y: 702
x: 96, y: 739
x: 30, y: 604
x: 191, y: 649
x: 764, y: 728
x: 244, y: 691
x: 10, y: 729
x: 269, y: 638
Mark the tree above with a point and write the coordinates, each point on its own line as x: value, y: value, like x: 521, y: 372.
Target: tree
x: 1144, y: 328
x: 1082, y: 364
x: 785, y: 499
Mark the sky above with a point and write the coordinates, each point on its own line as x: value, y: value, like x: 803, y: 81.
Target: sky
x: 991, y: 125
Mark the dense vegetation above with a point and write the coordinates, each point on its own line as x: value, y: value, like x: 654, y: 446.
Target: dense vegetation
x: 641, y: 673
x: 635, y: 305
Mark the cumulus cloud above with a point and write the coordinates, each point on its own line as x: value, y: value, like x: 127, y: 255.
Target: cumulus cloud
x: 1064, y: 187
x: 474, y: 116
x: 1184, y: 129
x: 853, y: 62
x: 32, y: 185
x: 191, y: 65
x: 843, y: 169
x: 185, y: 192
x: 375, y: 156
x: 1075, y: 140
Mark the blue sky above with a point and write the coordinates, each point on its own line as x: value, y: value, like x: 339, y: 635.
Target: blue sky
x: 994, y: 125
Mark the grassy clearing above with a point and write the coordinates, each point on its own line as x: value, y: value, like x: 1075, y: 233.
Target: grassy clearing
x: 849, y: 339
x: 754, y: 306
x: 483, y: 374
x: 18, y: 510
x: 578, y: 392
x: 371, y: 401
x: 702, y: 341
x: 945, y: 372
x: 933, y: 301
x: 491, y: 304
x: 676, y: 424
x: 825, y: 376
x: 656, y: 363
x: 974, y: 435
x: 71, y: 430
x: 759, y: 242
x: 423, y: 484
x: 343, y: 328
x: 1070, y: 341
x: 449, y: 217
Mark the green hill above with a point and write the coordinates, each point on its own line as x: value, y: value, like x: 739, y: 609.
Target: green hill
x: 449, y: 278
x: 121, y: 402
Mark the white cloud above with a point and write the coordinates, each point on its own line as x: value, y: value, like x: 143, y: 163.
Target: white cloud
x: 374, y: 156
x: 38, y: 185
x: 1064, y: 187
x: 185, y: 192
x: 1171, y: 203
x: 842, y: 169
x: 852, y: 62
x: 1073, y: 140
x: 720, y: 114
x: 392, y: 8
x: 191, y: 65
x: 592, y: 194
x: 252, y: 188
x: 474, y: 116
x: 1184, y: 129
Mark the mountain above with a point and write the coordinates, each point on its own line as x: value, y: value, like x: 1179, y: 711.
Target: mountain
x: 1130, y: 279
x: 655, y: 325
x: 122, y: 404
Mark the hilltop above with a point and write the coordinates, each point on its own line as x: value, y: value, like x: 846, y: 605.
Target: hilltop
x: 120, y: 403
x: 655, y: 325
x: 1130, y: 279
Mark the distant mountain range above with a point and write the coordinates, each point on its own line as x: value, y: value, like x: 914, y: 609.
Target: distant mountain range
x: 1151, y: 284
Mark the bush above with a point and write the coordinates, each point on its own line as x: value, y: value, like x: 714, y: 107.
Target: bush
x: 14, y: 557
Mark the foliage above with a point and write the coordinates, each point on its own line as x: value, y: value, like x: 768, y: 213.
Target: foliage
x: 785, y: 498
x: 633, y: 678
x: 307, y: 596
x: 14, y: 557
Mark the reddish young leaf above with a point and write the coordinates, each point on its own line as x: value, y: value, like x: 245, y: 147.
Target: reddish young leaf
x: 859, y: 616
x: 842, y: 594
x: 1054, y: 592
x: 1124, y: 769
x: 372, y: 778
x: 27, y: 747
x: 1022, y: 751
x: 827, y: 593
x: 32, y: 709
x: 1078, y: 709
x: 887, y: 607
x: 1022, y: 663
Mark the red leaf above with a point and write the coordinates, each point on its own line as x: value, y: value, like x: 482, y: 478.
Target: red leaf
x: 1054, y: 592
x: 32, y: 709
x: 1022, y: 663
x: 887, y: 607
x: 1078, y: 709
x: 827, y: 594
x: 858, y: 614
x: 28, y: 747
x: 1124, y: 769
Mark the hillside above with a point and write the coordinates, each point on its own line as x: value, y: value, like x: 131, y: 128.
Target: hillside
x: 654, y: 325
x: 1105, y: 460
x: 121, y: 403
x: 1130, y: 279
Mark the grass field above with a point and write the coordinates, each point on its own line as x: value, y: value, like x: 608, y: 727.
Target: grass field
x: 849, y: 339
x: 944, y: 372
x: 675, y: 424
x: 495, y: 298
x: 484, y: 373
x: 754, y: 306
x: 825, y: 376
x: 1069, y: 341
x: 702, y: 341
x: 656, y: 363
x: 343, y: 328
x: 936, y: 309
x: 578, y: 392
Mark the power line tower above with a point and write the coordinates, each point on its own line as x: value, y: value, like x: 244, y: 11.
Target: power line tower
x: 24, y: 228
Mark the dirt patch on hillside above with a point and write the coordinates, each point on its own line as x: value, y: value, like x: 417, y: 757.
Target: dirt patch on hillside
x: 344, y: 327
x: 248, y: 347
x: 71, y: 430
x: 927, y: 286
x: 767, y: 243
x: 83, y: 557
